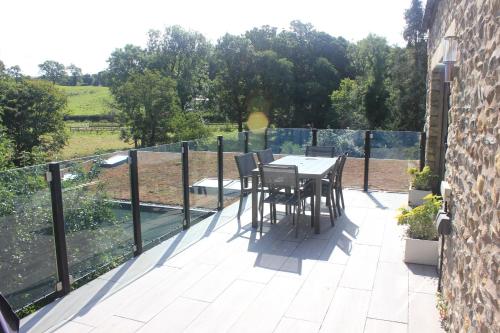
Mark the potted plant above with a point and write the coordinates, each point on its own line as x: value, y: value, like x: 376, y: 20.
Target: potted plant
x: 420, y: 185
x: 421, y: 242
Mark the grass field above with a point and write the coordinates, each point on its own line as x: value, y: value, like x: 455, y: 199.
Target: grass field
x: 90, y: 143
x: 87, y: 100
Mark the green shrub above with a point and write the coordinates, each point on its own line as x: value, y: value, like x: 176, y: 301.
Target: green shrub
x: 421, y: 180
x: 420, y: 220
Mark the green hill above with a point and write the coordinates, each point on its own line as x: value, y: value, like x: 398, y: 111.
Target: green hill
x: 87, y: 100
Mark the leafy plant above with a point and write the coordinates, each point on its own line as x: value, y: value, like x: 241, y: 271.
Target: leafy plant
x: 291, y: 148
x: 420, y: 220
x: 421, y: 180
x: 442, y: 307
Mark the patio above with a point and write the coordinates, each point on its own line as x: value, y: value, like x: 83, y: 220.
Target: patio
x: 219, y: 276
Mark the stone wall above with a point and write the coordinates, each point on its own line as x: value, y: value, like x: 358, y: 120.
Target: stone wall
x: 471, y: 282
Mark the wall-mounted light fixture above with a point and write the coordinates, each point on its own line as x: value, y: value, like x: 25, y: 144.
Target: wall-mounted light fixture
x: 450, y: 44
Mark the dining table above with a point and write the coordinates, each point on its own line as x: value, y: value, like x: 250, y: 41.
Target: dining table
x: 309, y: 168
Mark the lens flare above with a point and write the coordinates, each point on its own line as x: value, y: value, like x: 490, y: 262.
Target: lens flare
x: 257, y: 120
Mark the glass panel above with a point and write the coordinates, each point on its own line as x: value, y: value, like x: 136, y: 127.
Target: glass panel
x: 27, y: 258
x: 289, y: 141
x: 203, y: 181
x: 97, y: 212
x: 256, y: 140
x: 391, y: 154
x: 160, y: 192
x: 351, y: 142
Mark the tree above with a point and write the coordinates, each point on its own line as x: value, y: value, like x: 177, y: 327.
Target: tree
x: 369, y: 57
x: 52, y: 71
x: 414, y: 31
x: 6, y: 151
x: 14, y: 72
x: 183, y: 56
x: 235, y: 76
x: 148, y: 101
x: 347, y: 106
x: 76, y: 74
x: 124, y: 63
x: 87, y: 80
x: 33, y: 117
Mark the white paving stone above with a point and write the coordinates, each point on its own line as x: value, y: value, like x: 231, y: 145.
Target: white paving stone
x: 291, y: 325
x: 383, y: 326
x: 347, y: 313
x: 390, y: 293
x: 361, y: 267
x: 223, y: 313
x: 423, y: 315
x: 264, y: 314
x: 315, y: 296
x: 176, y: 317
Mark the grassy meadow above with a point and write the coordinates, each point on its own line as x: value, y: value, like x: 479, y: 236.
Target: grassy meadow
x: 90, y: 143
x: 87, y: 100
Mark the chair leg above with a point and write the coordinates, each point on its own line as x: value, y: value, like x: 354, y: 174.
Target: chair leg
x: 337, y: 201
x: 332, y: 199
x: 342, y: 198
x: 312, y: 211
x: 296, y: 225
x: 241, y: 205
x: 330, y: 208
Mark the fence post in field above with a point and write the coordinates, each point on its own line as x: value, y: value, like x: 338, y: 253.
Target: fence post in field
x: 185, y: 184
x: 423, y: 138
x: 265, y: 139
x: 367, y: 159
x: 245, y: 136
x: 54, y: 178
x: 314, y: 136
x: 220, y: 172
x: 134, y: 198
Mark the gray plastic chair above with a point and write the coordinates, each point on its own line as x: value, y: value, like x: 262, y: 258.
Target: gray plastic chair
x: 9, y: 322
x: 277, y: 178
x: 265, y: 156
x: 327, y: 191
x: 245, y: 163
x: 338, y: 183
x: 320, y: 151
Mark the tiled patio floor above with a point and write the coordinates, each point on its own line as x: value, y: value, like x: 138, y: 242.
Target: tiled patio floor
x: 221, y: 276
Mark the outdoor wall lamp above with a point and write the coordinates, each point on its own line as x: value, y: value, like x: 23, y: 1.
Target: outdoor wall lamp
x: 450, y: 45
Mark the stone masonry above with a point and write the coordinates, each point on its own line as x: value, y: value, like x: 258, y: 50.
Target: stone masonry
x: 471, y: 284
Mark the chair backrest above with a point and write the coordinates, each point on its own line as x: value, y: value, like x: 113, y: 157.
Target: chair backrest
x: 245, y: 163
x: 9, y: 322
x: 276, y: 176
x: 265, y: 156
x: 343, y: 159
x: 332, y: 176
x: 320, y: 151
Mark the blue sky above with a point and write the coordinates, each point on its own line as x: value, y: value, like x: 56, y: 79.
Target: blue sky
x: 86, y: 32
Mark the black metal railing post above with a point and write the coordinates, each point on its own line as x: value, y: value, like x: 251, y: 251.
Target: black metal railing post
x: 135, y: 201
x: 423, y: 139
x: 245, y: 136
x: 314, y: 136
x: 185, y: 184
x: 368, y: 136
x: 220, y: 172
x: 54, y: 177
x: 266, y: 144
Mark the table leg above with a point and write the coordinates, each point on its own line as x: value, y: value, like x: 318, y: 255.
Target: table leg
x: 255, y: 200
x: 317, y: 206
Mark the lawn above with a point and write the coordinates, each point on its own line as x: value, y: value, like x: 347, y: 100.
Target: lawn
x: 90, y: 143
x: 87, y: 100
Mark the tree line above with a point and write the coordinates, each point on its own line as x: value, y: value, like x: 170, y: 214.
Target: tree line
x: 296, y: 77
